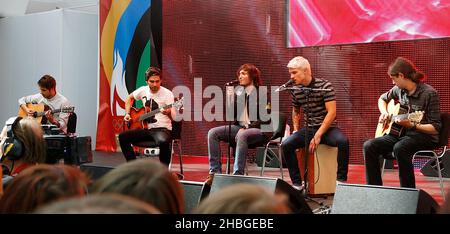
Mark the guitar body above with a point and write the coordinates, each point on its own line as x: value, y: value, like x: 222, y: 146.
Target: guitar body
x: 389, y: 126
x: 36, y: 108
x: 134, y: 122
x: 40, y: 109
x: 140, y: 118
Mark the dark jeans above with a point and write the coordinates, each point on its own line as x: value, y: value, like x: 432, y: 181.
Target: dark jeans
x: 333, y: 137
x: 403, y: 149
x: 161, y: 137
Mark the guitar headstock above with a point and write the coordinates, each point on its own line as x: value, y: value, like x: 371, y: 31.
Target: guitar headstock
x: 416, y: 116
x: 68, y: 109
x: 178, y: 104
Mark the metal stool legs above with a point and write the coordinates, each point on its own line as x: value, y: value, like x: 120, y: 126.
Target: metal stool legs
x: 279, y: 158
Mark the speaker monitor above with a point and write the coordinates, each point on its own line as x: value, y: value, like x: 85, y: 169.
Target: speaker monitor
x: 271, y: 159
x: 296, y: 199
x: 194, y: 192
x: 430, y: 168
x: 81, y: 151
x: 95, y: 171
x: 74, y: 150
x: 56, y: 147
x: 369, y: 199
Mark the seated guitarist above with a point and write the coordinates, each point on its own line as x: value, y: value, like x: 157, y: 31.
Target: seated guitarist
x: 413, y: 94
x: 49, y: 97
x: 159, y: 131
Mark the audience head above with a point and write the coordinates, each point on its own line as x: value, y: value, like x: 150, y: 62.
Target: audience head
x: 99, y: 204
x: 42, y: 184
x: 147, y: 180
x: 445, y: 208
x: 30, y: 133
x: 25, y: 146
x: 243, y: 199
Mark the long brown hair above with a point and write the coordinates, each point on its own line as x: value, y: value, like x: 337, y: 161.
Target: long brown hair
x: 42, y: 184
x: 407, y: 68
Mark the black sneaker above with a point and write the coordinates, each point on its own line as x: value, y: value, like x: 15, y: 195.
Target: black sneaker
x: 341, y: 179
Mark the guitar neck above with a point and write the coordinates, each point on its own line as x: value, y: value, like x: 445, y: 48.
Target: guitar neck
x: 153, y: 112
x: 401, y: 116
x: 42, y: 113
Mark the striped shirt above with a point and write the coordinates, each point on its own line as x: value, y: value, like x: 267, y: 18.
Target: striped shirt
x: 316, y: 101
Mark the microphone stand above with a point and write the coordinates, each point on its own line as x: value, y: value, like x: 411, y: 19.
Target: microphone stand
x: 307, y: 92
x: 229, y: 129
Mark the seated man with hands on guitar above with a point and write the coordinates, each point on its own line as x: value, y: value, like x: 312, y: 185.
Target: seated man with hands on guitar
x: 59, y: 106
x: 154, y: 128
x: 416, y: 131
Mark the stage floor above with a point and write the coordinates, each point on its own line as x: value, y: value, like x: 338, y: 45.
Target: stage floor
x: 196, y: 169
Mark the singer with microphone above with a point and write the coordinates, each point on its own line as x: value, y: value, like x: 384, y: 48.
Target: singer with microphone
x: 245, y: 129
x: 317, y: 98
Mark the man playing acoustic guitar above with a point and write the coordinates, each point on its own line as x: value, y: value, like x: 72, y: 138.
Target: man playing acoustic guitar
x: 57, y: 104
x: 417, y: 134
x: 156, y: 129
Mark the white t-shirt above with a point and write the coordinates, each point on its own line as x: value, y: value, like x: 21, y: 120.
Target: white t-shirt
x: 163, y: 97
x: 56, y: 102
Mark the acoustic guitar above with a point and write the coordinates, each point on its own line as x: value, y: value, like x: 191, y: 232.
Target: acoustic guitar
x: 40, y: 110
x: 397, y: 112
x: 140, y: 118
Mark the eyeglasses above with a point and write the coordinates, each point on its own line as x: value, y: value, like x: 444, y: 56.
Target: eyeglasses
x: 154, y: 81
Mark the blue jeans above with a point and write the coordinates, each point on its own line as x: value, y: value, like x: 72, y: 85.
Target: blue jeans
x: 403, y: 149
x: 242, y: 138
x: 333, y: 137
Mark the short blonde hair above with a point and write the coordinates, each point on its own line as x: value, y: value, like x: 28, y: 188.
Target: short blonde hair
x: 299, y: 62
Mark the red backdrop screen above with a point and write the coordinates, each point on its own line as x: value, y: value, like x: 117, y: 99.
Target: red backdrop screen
x: 329, y: 22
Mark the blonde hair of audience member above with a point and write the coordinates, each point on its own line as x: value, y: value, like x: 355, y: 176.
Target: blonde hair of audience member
x: 147, y: 180
x: 243, y: 199
x: 99, y: 204
x: 30, y: 133
x: 42, y: 184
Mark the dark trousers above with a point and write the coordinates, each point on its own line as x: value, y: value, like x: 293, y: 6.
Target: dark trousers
x: 161, y: 137
x: 403, y: 149
x: 333, y: 137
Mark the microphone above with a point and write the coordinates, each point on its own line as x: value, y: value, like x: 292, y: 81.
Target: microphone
x: 284, y: 86
x: 232, y: 83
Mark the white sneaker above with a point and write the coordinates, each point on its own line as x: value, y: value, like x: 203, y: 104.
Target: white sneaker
x: 298, y: 187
